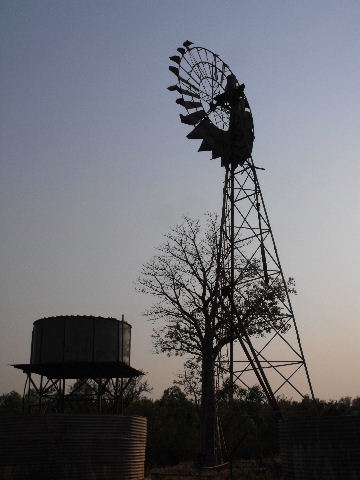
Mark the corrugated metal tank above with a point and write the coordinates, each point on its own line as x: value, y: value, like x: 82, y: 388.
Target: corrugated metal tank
x: 80, y: 339
x: 64, y: 447
x: 324, y: 448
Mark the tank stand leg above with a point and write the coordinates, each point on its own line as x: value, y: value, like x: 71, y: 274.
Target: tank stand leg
x: 27, y: 381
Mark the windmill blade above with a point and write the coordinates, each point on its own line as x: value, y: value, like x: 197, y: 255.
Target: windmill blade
x: 174, y: 70
x: 193, y: 118
x: 176, y: 59
x: 213, y: 139
x: 205, y: 146
x: 219, y: 144
x: 176, y: 88
x: 217, y: 148
x: 188, y: 92
x: 217, y: 151
x: 214, y: 131
x: 206, y: 130
x: 201, y: 131
x: 188, y: 104
x: 225, y: 160
x: 187, y: 83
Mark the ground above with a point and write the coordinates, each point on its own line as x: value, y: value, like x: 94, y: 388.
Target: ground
x: 264, y: 469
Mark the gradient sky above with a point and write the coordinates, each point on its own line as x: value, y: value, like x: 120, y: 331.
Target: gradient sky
x: 95, y: 165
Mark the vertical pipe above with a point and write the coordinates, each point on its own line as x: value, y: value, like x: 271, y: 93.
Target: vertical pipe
x: 32, y: 355
x: 41, y: 392
x: 118, y: 342
x: 63, y: 395
x: 93, y: 340
x: 24, y: 392
x: 232, y: 282
x: 41, y: 323
x: 232, y: 278
x: 100, y: 392
x: 232, y: 125
x: 122, y: 395
x: 116, y: 396
x: 122, y: 338
x: 63, y: 340
x: 232, y: 272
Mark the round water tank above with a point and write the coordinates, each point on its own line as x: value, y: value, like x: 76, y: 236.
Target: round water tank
x: 324, y: 448
x: 78, y: 447
x: 80, y: 339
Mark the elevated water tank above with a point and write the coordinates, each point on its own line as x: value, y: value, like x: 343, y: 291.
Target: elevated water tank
x: 76, y: 338
x: 69, y: 446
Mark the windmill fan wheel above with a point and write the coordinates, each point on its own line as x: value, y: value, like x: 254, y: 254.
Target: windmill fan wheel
x: 215, y: 104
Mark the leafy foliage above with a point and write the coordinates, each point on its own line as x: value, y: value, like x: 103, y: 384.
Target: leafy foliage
x: 184, y: 279
x: 84, y: 395
x: 10, y: 403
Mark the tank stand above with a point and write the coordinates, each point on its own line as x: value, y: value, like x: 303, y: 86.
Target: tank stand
x: 103, y: 395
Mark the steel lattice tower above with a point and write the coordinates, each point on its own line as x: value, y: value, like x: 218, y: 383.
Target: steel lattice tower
x: 248, y: 254
x: 253, y: 309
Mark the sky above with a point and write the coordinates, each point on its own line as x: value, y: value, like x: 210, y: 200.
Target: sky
x: 96, y: 167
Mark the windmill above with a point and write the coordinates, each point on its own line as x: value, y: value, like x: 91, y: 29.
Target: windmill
x: 216, y: 108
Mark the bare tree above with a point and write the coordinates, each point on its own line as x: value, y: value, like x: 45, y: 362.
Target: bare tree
x: 184, y: 278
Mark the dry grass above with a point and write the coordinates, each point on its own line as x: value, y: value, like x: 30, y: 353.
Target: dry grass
x: 266, y: 469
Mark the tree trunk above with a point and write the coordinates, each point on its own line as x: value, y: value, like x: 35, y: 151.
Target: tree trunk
x: 208, y: 410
